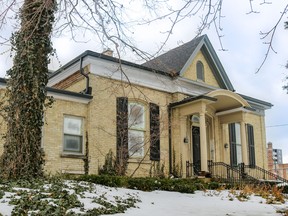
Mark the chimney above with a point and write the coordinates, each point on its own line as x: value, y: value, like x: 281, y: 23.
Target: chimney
x: 108, y: 52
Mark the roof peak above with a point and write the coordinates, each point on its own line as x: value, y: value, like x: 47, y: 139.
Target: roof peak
x: 173, y: 61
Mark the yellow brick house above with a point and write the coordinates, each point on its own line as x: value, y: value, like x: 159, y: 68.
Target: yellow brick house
x: 177, y: 109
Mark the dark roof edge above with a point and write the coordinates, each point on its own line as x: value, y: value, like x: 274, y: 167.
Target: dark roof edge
x: 190, y: 99
x: 218, y: 63
x: 70, y: 93
x: 254, y: 100
x: 106, y: 57
x: 59, y: 91
x: 249, y: 108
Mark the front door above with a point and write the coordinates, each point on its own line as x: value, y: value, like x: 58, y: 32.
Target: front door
x: 196, y: 149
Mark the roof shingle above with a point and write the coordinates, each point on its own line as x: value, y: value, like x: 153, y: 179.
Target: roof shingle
x: 174, y: 60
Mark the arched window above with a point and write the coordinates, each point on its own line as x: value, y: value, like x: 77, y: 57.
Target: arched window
x: 200, y: 71
x: 136, y: 129
x: 195, y: 119
x: 132, y: 129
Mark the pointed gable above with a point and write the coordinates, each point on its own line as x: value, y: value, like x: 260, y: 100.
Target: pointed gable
x: 173, y: 61
x: 182, y: 60
x: 199, y: 70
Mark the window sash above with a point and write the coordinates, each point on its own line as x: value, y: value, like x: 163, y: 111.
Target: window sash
x: 136, y: 143
x: 251, y: 145
x: 73, y: 138
x: 200, y: 71
x: 72, y: 143
x: 136, y: 116
x: 235, y: 144
x: 72, y: 125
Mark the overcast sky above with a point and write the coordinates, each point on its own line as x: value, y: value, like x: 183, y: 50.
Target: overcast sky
x: 245, y: 52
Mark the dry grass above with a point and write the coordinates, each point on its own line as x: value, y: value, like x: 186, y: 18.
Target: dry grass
x: 272, y: 194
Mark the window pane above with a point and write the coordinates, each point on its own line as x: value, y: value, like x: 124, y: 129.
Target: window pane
x: 72, y: 143
x: 136, y: 116
x: 72, y: 125
x: 239, y: 154
x: 136, y: 143
x: 200, y: 71
x: 238, y: 133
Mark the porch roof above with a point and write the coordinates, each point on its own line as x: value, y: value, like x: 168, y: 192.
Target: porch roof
x: 191, y: 99
x: 220, y: 100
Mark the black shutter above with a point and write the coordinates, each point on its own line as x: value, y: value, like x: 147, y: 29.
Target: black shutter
x: 232, y: 140
x: 154, y: 132
x: 251, y: 146
x: 122, y: 128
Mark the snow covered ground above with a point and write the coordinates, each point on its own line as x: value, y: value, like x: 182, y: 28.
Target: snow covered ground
x: 210, y: 203
x: 162, y: 203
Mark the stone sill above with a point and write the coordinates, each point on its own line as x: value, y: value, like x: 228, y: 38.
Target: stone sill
x: 138, y: 160
x: 74, y: 172
x: 76, y: 156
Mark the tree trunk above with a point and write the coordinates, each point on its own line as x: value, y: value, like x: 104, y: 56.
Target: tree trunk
x: 23, y: 156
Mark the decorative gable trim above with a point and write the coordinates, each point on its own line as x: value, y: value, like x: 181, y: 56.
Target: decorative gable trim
x: 217, y: 68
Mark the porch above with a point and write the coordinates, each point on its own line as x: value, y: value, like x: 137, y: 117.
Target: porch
x: 218, y: 126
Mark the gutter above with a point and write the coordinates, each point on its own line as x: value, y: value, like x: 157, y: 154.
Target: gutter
x: 88, y: 89
x: 169, y: 138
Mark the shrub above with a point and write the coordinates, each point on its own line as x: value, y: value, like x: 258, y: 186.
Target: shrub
x: 144, y: 184
x: 109, y: 167
x: 111, y: 181
x: 213, y: 185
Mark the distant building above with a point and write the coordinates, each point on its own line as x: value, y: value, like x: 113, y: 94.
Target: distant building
x: 277, y: 155
x: 275, y: 161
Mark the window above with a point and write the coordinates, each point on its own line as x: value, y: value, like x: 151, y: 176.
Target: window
x: 131, y: 129
x: 200, y: 71
x: 73, y: 135
x: 235, y: 144
x: 195, y: 119
x: 136, y: 129
x: 251, y: 146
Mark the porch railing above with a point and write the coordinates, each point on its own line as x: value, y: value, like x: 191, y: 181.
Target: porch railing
x: 230, y: 174
x: 262, y: 174
x: 192, y: 169
x: 241, y: 173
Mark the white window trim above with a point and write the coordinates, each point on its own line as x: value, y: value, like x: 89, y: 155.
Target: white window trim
x: 67, y: 152
x: 203, y: 72
x: 137, y: 129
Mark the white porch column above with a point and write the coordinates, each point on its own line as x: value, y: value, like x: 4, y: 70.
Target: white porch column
x: 244, y: 143
x: 203, y: 143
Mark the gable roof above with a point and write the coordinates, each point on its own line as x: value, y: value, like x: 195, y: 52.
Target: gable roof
x: 177, y: 60
x: 174, y: 60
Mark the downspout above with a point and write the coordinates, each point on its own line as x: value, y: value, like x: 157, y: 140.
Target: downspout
x: 169, y: 138
x: 87, y: 90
